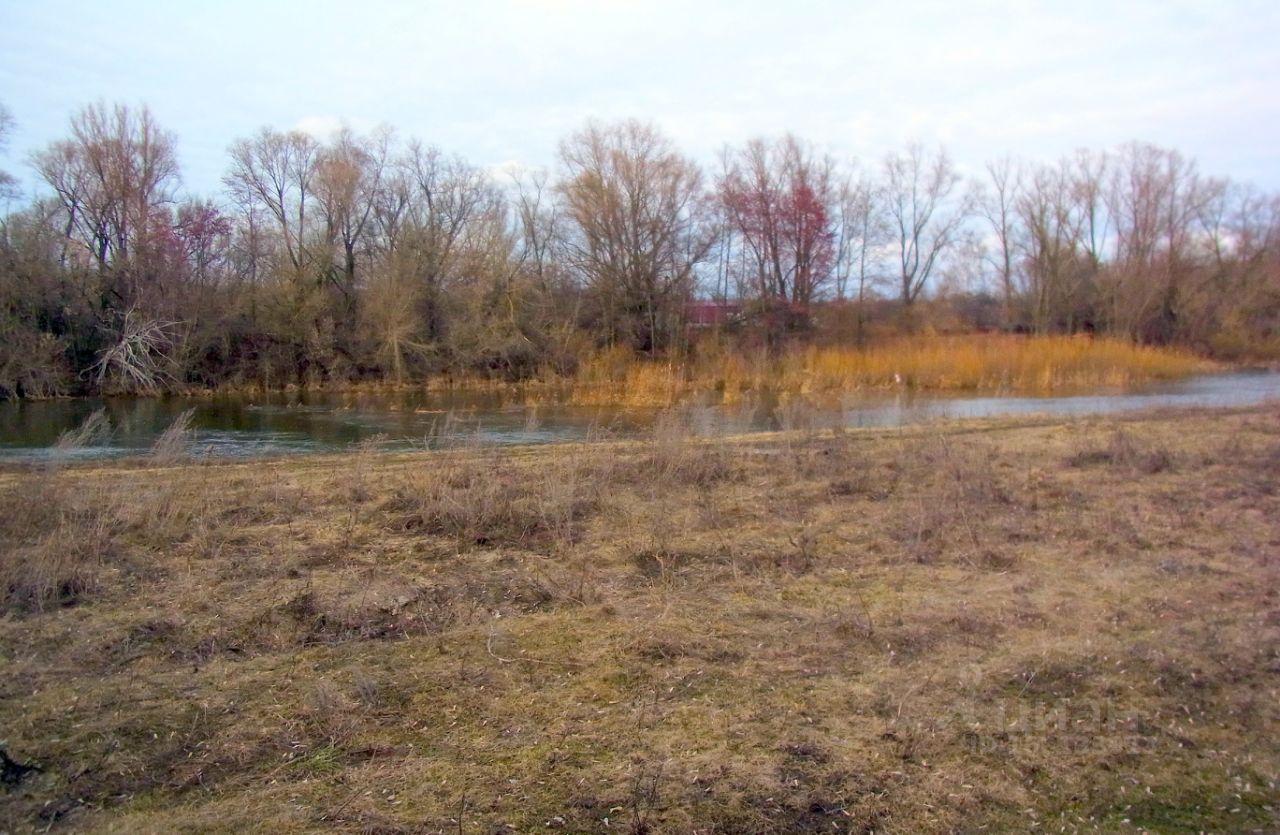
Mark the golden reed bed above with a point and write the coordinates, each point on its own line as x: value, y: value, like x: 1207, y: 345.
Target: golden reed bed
x: 997, y: 363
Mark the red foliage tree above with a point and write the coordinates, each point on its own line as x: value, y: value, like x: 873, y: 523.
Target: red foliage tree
x: 778, y: 202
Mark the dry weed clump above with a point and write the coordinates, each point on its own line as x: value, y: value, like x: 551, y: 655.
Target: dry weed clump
x: 481, y: 500
x: 673, y: 456
x: 955, y: 503
x: 371, y: 614
x: 58, y: 543
x: 669, y: 565
x: 1124, y: 451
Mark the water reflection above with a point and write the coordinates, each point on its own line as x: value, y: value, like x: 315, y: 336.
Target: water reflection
x: 302, y: 422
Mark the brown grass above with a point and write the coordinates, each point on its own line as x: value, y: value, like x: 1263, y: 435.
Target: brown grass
x: 1001, y: 626
x: 1003, y: 363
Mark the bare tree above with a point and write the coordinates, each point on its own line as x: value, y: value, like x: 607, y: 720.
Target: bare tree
x: 998, y: 208
x: 1154, y: 198
x: 1056, y: 266
x: 273, y: 177
x: 781, y: 202
x: 8, y: 183
x: 277, y: 172
x: 114, y: 179
x: 540, y: 219
x: 926, y: 212
x: 447, y: 200
x: 864, y: 231
x: 443, y: 228
x: 391, y: 315
x: 541, y: 225
x: 33, y: 360
x: 637, y: 227
x: 502, y: 307
x: 349, y: 182
x: 1089, y: 172
x: 201, y: 236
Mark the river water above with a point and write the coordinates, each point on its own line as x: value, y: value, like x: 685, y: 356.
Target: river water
x: 309, y: 422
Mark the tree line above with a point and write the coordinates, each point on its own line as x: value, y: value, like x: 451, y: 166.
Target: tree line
x: 365, y: 256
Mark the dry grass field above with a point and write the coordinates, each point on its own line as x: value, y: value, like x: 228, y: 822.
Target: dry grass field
x: 1005, y: 626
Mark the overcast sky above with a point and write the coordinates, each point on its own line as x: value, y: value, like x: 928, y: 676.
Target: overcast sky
x: 502, y: 82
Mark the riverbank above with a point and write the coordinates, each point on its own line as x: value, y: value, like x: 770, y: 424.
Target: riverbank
x: 1068, y: 625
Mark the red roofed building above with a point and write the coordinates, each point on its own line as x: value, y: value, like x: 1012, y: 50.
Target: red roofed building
x: 711, y: 314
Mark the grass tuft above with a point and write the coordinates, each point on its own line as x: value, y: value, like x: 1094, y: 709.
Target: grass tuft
x: 174, y: 443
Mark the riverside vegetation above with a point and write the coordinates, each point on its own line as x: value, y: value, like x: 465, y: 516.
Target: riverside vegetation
x: 371, y: 259
x: 1008, y: 626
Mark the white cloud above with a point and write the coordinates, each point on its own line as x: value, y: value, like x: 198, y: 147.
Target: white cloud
x: 320, y: 127
x: 510, y: 170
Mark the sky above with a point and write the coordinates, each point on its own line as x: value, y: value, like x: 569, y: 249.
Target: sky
x: 501, y: 82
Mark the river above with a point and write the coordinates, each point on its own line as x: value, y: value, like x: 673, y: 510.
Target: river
x: 309, y: 422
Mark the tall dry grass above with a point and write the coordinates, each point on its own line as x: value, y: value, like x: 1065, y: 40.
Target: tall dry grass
x: 479, y: 497
x: 94, y: 429
x: 996, y: 363
x: 62, y: 532
x: 174, y: 444
x: 57, y: 541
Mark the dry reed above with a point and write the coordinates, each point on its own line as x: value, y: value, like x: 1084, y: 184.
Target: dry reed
x: 997, y: 363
